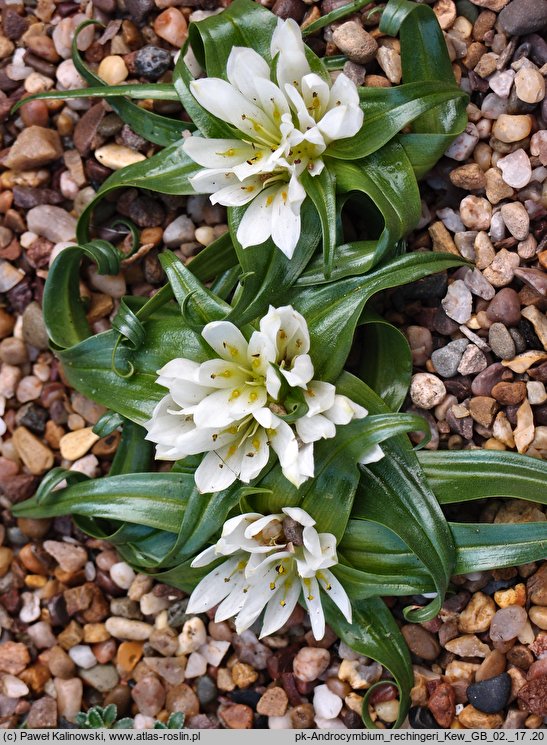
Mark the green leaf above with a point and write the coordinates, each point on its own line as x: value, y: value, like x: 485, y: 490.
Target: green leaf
x: 374, y: 633
x: 157, y: 91
x: 424, y: 57
x: 334, y: 15
x: 395, y: 493
x: 459, y: 476
x: 64, y: 310
x: 387, y: 177
x: 322, y: 191
x: 384, y: 347
x: 267, y: 273
x: 155, y: 128
x: 389, y: 110
x: 167, y: 172
x: 332, y: 310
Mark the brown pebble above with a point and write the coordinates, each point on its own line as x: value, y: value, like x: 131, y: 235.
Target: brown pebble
x: 509, y: 393
x: 442, y: 704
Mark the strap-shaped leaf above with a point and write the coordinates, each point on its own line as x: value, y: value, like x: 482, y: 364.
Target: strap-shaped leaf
x: 385, y: 349
x: 138, y: 91
x: 167, y: 172
x: 389, y: 110
x: 387, y: 177
x: 374, y: 633
x: 460, y: 476
x: 64, y: 310
x: 424, y: 57
x: 394, y: 493
x: 153, y: 127
x: 322, y: 191
x: 266, y: 273
x: 333, y: 310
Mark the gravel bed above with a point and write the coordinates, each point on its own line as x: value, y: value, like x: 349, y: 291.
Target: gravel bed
x: 78, y: 628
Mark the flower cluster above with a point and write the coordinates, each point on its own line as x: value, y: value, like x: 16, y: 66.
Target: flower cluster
x: 272, y: 559
x: 285, y: 128
x: 232, y: 407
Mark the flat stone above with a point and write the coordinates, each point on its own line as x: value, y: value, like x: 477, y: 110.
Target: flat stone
x: 115, y: 156
x: 9, y: 276
x: 69, y: 697
x: 458, y: 302
x: 101, y: 677
x: 34, y: 147
x: 501, y: 342
x: 483, y: 409
x: 517, y: 172
x: 273, y: 702
x: 70, y: 557
x: 472, y: 718
x: 76, y: 444
x: 53, y: 223
x: 124, y: 628
x: 149, y: 695
x: 42, y: 714
x: 508, y: 623
x: 468, y: 645
x: 35, y: 455
x: 421, y: 642
x: 464, y: 144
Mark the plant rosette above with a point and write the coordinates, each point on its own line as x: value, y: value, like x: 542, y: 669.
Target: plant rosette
x: 296, y: 477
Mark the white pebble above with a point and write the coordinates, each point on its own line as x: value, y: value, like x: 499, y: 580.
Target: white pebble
x: 151, y: 604
x: 31, y: 607
x: 82, y: 656
x: 122, y: 575
x: 327, y: 705
x: 214, y: 651
x: 12, y: 687
x: 196, y: 666
x: 192, y: 637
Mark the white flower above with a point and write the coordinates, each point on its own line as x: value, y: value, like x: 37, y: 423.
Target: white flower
x: 273, y: 559
x: 284, y: 129
x: 232, y: 407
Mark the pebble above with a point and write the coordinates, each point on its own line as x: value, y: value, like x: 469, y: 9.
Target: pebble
x: 472, y: 718
x: 538, y: 616
x: 310, y: 662
x: 34, y: 147
x: 421, y: 642
x: 356, y: 43
x: 530, y: 85
x: 446, y: 359
x: 152, y: 62
x: 477, y: 615
x: 124, y: 628
x: 193, y: 636
x: 508, y: 623
x: 273, y: 703
x: 468, y: 645
x: 538, y: 321
x: 490, y: 696
x: 478, y: 285
x: 517, y: 172
x: 458, y: 302
x: 82, y: 656
x: 501, y: 342
x: 426, y: 390
x: 70, y: 557
x: 326, y: 704
x: 502, y: 270
x: 109, y: 284
x: 53, y: 223
x: 464, y: 144
x: 214, y: 651
x: 442, y: 704
x: 181, y: 230
x: 502, y: 82
x: 237, y: 716
x: 101, y: 677
x: 196, y: 666
x: 69, y: 697
x: 512, y: 127
x: 149, y: 696
x: 35, y: 455
x: 171, y: 25
x: 112, y: 69
x: 509, y: 394
x: 115, y: 156
x: 182, y: 698
x: 533, y: 696
x: 390, y: 62
x: 122, y: 574
x: 523, y: 17
x: 31, y: 607
x: 476, y: 212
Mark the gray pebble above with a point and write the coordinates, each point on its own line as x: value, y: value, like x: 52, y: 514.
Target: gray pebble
x: 181, y: 230
x: 447, y: 359
x: 472, y: 361
x: 501, y: 341
x: 458, y: 303
x: 523, y: 17
x: 479, y: 285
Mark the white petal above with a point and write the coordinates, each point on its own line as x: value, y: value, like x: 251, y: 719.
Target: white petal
x: 273, y: 382
x: 226, y: 103
x: 340, y: 122
x: 256, y: 224
x: 258, y: 526
x: 332, y: 586
x: 315, y: 92
x: 261, y: 352
x: 286, y: 223
x: 186, y: 394
x: 227, y: 406
x: 288, y: 330
x: 343, y: 410
x: 311, y: 541
x: 302, y: 468
x: 201, y: 440
x: 245, y: 68
x: 312, y: 597
x: 227, y: 341
x: 178, y: 368
x: 319, y: 396
x: 220, y: 374
x: 205, y: 557
x: 305, y: 120
x: 262, y: 589
x: 283, y: 441
x: 280, y: 606
x: 235, y: 601
x: 344, y: 91
x: 287, y: 42
x: 300, y: 515
x: 239, y: 193
x: 372, y: 455
x: 255, y: 456
x: 213, y: 587
x: 211, y: 180
x: 313, y: 428
x: 300, y: 373
x: 211, y: 153
x: 213, y: 474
